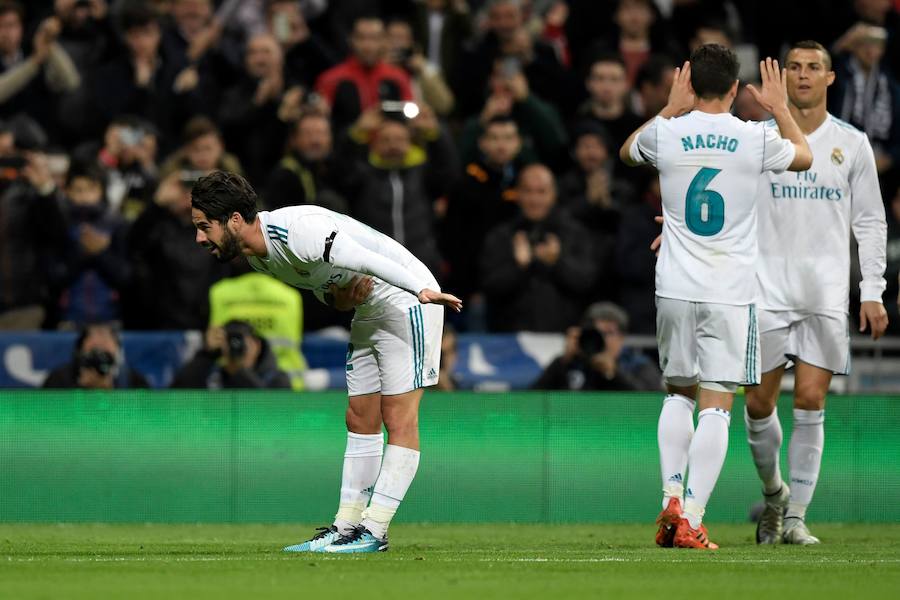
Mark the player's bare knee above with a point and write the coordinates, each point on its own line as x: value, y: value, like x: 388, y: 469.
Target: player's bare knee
x: 363, y: 419
x: 401, y: 424
x: 809, y: 397
x: 760, y: 402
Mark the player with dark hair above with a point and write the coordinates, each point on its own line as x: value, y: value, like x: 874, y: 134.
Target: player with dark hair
x: 395, y: 341
x: 804, y: 285
x: 709, y: 163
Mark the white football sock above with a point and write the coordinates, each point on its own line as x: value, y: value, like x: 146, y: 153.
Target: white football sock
x: 674, y: 432
x: 705, y: 459
x: 805, y: 459
x: 397, y: 472
x: 362, y: 461
x: 765, y: 437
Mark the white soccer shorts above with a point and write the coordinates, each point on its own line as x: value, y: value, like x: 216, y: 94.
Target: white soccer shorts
x: 395, y: 353
x: 707, y: 342
x: 821, y: 340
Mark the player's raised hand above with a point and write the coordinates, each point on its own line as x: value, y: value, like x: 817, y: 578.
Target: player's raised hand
x: 353, y: 294
x: 427, y: 296
x: 873, y: 314
x: 773, y: 93
x: 681, y: 96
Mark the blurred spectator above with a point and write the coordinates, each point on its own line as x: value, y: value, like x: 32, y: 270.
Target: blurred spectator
x: 590, y: 193
x: 250, y: 109
x: 607, y: 102
x: 306, y: 55
x: 447, y: 379
x: 440, y: 28
x: 882, y: 14
x: 33, y: 84
x: 98, y: 363
x: 509, y: 42
x: 308, y: 173
x: 172, y: 273
x: 640, y: 32
x: 92, y: 267
x: 202, y: 153
x: 537, y: 268
x: 400, y: 168
x: 233, y: 356
x: 142, y: 80
x: 364, y: 79
x: 481, y: 199
x: 596, y: 357
x: 710, y: 32
x: 539, y: 123
x: 427, y: 81
x: 128, y: 155
x: 31, y: 225
x: 88, y: 38
x: 273, y: 308
x: 654, y: 80
x: 635, y: 263
x: 865, y: 94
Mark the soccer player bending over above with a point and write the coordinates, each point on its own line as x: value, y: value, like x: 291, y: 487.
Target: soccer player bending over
x: 805, y: 221
x: 395, y: 338
x: 709, y: 164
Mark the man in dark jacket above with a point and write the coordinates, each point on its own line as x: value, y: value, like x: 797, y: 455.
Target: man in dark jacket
x: 234, y: 356
x: 481, y: 199
x: 308, y: 173
x: 395, y: 181
x: 537, y: 268
x: 31, y: 227
x: 98, y: 363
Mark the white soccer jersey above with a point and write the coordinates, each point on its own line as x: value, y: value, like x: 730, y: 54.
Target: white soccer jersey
x: 709, y: 167
x: 311, y: 247
x: 805, y: 221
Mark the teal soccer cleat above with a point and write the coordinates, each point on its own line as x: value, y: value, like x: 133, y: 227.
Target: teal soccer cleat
x: 326, y: 536
x: 359, y: 540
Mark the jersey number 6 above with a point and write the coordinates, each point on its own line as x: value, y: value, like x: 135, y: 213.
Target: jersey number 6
x: 704, y: 210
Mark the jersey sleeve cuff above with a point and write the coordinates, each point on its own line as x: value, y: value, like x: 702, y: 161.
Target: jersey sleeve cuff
x: 871, y: 291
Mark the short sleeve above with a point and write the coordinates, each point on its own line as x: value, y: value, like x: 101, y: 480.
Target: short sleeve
x: 644, y: 147
x: 778, y: 153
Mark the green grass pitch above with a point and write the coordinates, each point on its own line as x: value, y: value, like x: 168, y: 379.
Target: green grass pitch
x: 440, y: 561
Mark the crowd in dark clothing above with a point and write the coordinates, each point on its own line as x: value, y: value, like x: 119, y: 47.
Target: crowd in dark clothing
x: 481, y: 134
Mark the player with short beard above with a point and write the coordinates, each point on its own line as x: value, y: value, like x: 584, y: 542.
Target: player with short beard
x: 805, y: 222
x: 395, y: 341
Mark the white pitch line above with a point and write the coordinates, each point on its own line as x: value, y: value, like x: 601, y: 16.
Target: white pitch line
x: 609, y: 559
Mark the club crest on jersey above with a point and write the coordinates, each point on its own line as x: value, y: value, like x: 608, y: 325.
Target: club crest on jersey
x: 837, y: 156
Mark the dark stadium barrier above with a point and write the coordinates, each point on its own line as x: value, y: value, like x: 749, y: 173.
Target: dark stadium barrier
x: 276, y: 457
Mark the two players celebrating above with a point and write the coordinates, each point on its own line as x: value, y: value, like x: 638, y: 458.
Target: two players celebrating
x: 719, y: 176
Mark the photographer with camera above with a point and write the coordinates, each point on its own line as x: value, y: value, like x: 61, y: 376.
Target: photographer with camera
x: 233, y: 356
x: 97, y: 364
x: 596, y: 358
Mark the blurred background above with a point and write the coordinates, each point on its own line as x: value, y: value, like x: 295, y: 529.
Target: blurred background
x: 482, y: 135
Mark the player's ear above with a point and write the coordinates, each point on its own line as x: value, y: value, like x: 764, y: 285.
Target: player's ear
x: 732, y: 93
x: 829, y: 78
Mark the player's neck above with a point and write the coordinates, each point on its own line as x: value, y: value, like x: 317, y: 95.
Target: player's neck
x: 809, y: 119
x: 713, y: 105
x: 255, y: 243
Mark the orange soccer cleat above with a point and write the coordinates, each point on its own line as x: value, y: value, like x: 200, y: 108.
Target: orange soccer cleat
x: 668, y: 521
x: 687, y: 537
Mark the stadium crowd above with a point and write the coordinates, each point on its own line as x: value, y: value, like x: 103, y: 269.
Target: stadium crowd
x: 481, y: 134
